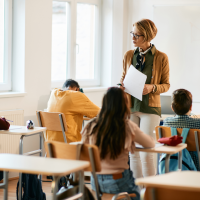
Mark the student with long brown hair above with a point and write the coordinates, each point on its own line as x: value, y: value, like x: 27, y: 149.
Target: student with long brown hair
x: 115, y: 135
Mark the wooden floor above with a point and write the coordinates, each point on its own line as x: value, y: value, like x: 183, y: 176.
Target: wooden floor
x: 46, y: 186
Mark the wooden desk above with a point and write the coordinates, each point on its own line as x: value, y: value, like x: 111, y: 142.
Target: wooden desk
x: 24, y: 132
x: 184, y: 180
x: 40, y: 165
x: 169, y: 150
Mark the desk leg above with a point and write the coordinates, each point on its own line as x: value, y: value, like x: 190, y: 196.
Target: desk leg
x: 167, y: 158
x: 81, y: 183
x: 41, y: 147
x: 55, y: 187
x: 158, y: 158
x: 180, y: 160
x: 20, y: 174
x: 5, y: 182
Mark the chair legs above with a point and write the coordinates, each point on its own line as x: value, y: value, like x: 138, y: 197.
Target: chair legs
x: 4, y: 185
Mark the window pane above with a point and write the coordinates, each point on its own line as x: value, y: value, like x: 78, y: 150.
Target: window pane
x: 85, y: 41
x: 59, y: 41
x: 1, y: 40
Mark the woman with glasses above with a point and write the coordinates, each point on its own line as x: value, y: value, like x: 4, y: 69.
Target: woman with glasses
x: 146, y: 113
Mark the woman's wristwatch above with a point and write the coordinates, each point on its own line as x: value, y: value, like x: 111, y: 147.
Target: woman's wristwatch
x: 154, y: 89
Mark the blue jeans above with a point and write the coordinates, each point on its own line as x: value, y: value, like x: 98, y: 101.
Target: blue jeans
x: 125, y: 184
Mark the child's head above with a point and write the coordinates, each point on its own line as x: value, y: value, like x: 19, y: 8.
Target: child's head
x: 70, y: 84
x: 115, y: 103
x: 181, y: 101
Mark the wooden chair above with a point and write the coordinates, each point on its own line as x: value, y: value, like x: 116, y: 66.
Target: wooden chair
x: 155, y: 193
x: 53, y: 121
x: 192, y: 140
x: 84, y: 152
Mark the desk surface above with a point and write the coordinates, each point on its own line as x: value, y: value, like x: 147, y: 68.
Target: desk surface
x: 40, y: 165
x: 184, y: 180
x: 22, y: 130
x: 165, y: 149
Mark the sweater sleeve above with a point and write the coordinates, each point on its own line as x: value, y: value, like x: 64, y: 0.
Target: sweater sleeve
x: 84, y: 106
x: 164, y: 84
x: 140, y: 137
x: 126, y: 63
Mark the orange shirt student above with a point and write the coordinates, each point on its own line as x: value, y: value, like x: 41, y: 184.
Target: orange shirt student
x: 74, y: 105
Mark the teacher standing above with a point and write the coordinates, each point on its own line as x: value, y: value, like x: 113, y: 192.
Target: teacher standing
x: 146, y: 113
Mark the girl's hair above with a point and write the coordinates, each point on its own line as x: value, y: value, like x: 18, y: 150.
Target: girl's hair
x: 110, y: 123
x: 146, y: 28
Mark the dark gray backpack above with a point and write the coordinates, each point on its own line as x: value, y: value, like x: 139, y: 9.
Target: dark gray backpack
x: 32, y: 188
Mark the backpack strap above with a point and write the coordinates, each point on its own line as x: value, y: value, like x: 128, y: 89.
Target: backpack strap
x: 173, y: 131
x: 185, y: 134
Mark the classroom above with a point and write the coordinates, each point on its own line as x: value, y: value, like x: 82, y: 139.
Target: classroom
x: 45, y: 42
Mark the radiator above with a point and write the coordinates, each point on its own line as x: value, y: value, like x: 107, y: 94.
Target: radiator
x: 10, y: 143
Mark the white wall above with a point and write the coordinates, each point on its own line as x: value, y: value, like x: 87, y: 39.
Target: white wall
x: 144, y: 9
x: 114, y: 40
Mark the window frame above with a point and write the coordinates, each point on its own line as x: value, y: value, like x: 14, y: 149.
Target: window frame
x: 71, y: 45
x: 6, y: 85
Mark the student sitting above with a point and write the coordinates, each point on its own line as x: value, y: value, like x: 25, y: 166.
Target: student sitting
x: 115, y: 135
x: 182, y: 106
x: 74, y: 105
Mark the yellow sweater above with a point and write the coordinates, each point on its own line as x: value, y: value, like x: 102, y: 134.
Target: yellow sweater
x: 74, y: 105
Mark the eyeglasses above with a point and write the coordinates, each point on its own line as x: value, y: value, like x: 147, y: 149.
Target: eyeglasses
x: 135, y: 35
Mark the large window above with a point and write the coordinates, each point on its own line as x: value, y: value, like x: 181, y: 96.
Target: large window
x: 75, y: 42
x: 5, y: 44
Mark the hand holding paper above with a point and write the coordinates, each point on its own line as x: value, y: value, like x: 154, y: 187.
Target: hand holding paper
x: 134, y: 82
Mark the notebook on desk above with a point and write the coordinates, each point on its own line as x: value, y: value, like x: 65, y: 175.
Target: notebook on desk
x: 138, y: 146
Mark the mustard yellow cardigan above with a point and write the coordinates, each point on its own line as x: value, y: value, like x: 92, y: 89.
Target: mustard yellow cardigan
x: 160, y: 75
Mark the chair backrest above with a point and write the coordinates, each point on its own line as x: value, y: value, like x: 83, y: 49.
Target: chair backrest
x: 72, y: 151
x: 190, y: 141
x: 86, y: 152
x: 170, y: 193
x: 53, y: 121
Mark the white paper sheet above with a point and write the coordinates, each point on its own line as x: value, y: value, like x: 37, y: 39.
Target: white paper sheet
x: 138, y: 146
x: 134, y: 82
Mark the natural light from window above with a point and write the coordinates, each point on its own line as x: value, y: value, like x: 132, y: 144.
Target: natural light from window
x: 1, y: 41
x: 85, y: 41
x: 59, y: 41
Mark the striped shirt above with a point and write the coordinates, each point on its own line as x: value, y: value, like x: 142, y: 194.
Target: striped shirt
x: 182, y: 121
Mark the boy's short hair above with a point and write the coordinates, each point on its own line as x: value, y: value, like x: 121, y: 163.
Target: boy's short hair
x: 70, y: 83
x: 181, y: 101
